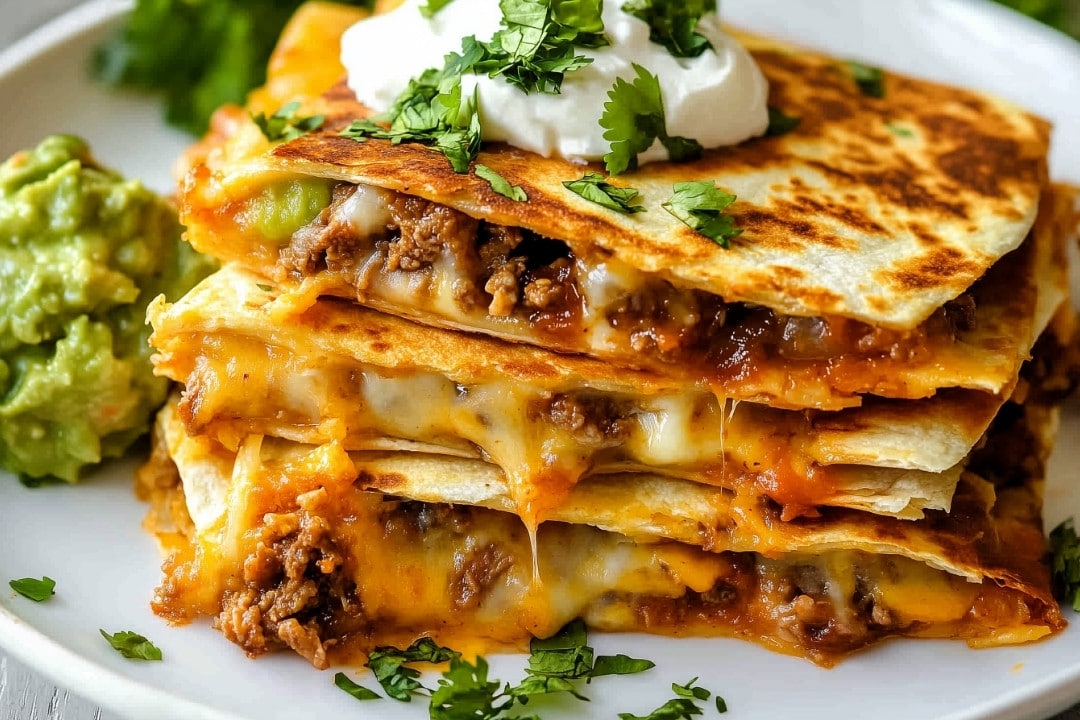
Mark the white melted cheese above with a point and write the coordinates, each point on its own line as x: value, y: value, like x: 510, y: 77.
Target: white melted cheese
x: 718, y: 98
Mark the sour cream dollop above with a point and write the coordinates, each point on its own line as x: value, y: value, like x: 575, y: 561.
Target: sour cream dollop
x: 718, y: 98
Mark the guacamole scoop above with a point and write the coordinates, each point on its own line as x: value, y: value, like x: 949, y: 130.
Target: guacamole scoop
x: 82, y: 253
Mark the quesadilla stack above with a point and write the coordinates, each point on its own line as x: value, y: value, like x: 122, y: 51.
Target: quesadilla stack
x: 414, y: 406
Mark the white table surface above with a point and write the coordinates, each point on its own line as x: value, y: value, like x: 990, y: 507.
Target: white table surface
x: 24, y: 694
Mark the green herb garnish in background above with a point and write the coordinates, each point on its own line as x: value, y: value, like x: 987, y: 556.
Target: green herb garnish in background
x: 593, y: 186
x: 634, y: 118
x: 431, y: 7
x: 286, y: 125
x: 869, y: 79
x: 1063, y: 15
x: 1065, y: 563
x: 701, y: 205
x: 36, y: 590
x: 672, y: 23
x: 200, y: 54
x: 132, y: 645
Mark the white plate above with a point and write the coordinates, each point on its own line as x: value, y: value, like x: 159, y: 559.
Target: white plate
x: 88, y: 537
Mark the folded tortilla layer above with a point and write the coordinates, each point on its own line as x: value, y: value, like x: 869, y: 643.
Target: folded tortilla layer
x: 313, y: 548
x: 865, y: 265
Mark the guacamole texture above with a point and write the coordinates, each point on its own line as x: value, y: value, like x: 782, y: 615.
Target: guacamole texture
x: 82, y: 253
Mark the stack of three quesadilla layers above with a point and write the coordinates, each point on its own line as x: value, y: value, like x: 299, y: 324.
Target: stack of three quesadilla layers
x: 772, y: 440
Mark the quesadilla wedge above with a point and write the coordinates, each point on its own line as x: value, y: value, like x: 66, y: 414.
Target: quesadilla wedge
x: 331, y: 553
x: 864, y: 265
x: 252, y: 362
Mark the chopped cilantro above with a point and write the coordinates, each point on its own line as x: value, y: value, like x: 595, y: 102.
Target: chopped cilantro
x: 780, y: 123
x: 132, y: 645
x: 399, y: 681
x: 430, y: 112
x: 431, y: 7
x: 357, y: 691
x: 199, y: 54
x: 633, y: 119
x: 672, y: 23
x: 285, y: 124
x: 593, y: 186
x: 701, y: 205
x: 1065, y: 563
x: 500, y: 184
x: 36, y: 590
x: 871, y: 80
x: 556, y: 665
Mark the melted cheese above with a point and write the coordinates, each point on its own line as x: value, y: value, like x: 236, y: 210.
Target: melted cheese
x: 456, y: 572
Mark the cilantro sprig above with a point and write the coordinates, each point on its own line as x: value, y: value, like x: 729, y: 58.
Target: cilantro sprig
x: 673, y: 23
x: 1065, y: 563
x: 701, y: 206
x: 286, y: 124
x: 132, y: 645
x: 33, y: 589
x: 534, y: 49
x: 593, y: 186
x: 432, y: 7
x: 633, y: 119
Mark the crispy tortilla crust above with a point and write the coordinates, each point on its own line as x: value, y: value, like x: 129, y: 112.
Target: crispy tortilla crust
x: 845, y: 215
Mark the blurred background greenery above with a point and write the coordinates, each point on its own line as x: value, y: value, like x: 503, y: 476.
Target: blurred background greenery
x: 1061, y: 14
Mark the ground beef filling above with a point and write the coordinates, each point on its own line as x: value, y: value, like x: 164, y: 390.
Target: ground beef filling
x: 508, y: 272
x: 294, y: 592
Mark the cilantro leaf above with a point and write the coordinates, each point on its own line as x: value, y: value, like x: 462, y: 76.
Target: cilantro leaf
x: 286, y: 125
x: 1065, y: 563
x: 500, y: 184
x: 672, y: 23
x: 633, y: 119
x: 780, y: 123
x: 198, y: 54
x: 542, y: 685
x: 682, y: 707
x: 431, y: 7
x: 619, y: 665
x: 357, y: 691
x: 701, y: 205
x: 871, y: 80
x: 537, y: 44
x: 36, y: 590
x: 594, y: 187
x: 464, y: 691
x: 132, y: 645
x: 399, y: 681
x: 689, y: 691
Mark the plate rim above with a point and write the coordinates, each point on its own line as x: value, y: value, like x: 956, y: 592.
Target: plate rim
x: 135, y: 699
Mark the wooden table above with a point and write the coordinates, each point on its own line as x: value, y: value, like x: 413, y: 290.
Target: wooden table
x: 24, y: 694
